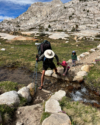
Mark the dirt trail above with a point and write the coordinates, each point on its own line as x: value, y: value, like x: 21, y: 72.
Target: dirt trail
x: 86, y: 60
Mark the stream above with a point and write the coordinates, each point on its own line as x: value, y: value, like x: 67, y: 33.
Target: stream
x: 75, y: 91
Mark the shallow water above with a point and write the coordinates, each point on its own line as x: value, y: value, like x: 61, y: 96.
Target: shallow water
x: 75, y: 91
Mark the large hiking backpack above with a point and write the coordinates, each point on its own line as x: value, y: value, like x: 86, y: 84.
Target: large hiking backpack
x: 43, y: 46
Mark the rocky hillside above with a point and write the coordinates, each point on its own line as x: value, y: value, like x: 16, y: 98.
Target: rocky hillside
x: 54, y: 15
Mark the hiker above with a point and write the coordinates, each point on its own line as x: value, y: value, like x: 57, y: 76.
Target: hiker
x: 66, y: 67
x: 74, y: 58
x: 47, y: 58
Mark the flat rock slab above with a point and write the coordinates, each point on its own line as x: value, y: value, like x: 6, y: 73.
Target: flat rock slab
x: 52, y: 106
x: 7, y: 36
x: 58, y: 95
x: 49, y: 73
x: 10, y: 98
x: 57, y: 119
x: 82, y: 73
x: 58, y: 35
x: 28, y: 115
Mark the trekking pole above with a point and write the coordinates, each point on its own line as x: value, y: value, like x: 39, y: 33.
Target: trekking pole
x: 35, y: 75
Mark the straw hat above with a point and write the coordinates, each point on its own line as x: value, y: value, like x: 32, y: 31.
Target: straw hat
x: 49, y: 54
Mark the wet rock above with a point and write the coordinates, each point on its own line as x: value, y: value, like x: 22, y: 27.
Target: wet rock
x: 0, y: 119
x: 58, y: 95
x: 70, y: 88
x: 31, y: 88
x: 52, y: 106
x: 96, y: 105
x: 77, y: 86
x: 10, y: 98
x: 49, y: 73
x: 57, y: 119
x: 85, y: 68
x: 24, y: 92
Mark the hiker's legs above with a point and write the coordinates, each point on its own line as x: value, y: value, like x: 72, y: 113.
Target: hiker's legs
x: 42, y: 77
x: 73, y: 63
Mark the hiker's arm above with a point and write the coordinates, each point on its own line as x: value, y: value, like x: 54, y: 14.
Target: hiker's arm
x: 40, y: 58
x: 57, y: 59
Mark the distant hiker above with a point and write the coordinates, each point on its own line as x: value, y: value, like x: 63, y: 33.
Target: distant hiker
x: 74, y: 58
x: 47, y: 58
x: 66, y: 67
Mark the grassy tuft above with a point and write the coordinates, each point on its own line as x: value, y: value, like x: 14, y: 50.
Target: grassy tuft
x: 93, y: 78
x: 8, y: 86
x: 44, y: 116
x: 6, y: 113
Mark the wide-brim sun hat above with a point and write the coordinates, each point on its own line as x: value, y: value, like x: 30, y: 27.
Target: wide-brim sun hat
x: 64, y: 63
x: 49, y: 54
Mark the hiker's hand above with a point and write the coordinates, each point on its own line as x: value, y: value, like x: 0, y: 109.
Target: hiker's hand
x: 63, y: 74
x: 58, y: 63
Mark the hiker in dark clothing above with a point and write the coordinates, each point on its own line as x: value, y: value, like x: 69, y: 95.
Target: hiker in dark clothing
x: 47, y: 59
x: 74, y: 58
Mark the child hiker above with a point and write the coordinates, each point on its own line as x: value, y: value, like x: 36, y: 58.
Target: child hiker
x: 65, y: 66
x: 74, y: 58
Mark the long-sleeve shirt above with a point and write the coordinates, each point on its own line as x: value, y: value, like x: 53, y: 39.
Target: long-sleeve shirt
x: 46, y: 60
x: 66, y: 68
x: 74, y: 57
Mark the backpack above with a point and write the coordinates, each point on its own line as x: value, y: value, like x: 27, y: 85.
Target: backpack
x: 43, y: 46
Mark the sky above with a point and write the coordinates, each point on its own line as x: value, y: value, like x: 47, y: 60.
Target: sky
x: 13, y: 8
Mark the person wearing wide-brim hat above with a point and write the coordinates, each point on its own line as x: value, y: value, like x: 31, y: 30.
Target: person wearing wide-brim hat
x: 47, y: 59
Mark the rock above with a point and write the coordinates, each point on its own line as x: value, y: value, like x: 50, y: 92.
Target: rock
x: 49, y: 73
x: 30, y: 115
x: 78, y: 78
x: 10, y: 98
x: 69, y: 61
x: 52, y: 106
x: 58, y: 95
x: 57, y: 119
x: 67, y: 42
x: 86, y: 53
x: 31, y: 88
x: 0, y: 119
x: 92, y: 50
x: 82, y: 55
x: 85, y: 68
x: 98, y: 46
x: 19, y: 123
x: 82, y: 73
x: 24, y: 92
x: 3, y: 49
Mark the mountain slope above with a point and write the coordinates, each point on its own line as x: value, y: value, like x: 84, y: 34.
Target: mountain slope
x: 84, y: 14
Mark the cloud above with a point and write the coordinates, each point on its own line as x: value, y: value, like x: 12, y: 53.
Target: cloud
x: 21, y: 2
x: 6, y: 17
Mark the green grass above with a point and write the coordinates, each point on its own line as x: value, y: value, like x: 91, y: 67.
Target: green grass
x: 79, y: 113
x: 6, y: 113
x: 44, y: 116
x: 24, y: 52
x: 6, y: 86
x: 93, y: 78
